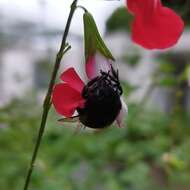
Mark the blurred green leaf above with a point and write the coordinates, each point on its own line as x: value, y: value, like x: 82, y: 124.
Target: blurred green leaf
x: 167, y: 81
x: 120, y: 20
x: 125, y: 157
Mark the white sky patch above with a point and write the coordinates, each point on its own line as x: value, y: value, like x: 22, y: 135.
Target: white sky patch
x: 54, y: 13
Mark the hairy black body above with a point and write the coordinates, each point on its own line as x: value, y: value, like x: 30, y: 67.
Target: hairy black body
x: 103, y: 104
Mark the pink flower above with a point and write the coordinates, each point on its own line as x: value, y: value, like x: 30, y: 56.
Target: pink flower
x: 98, y: 103
x: 154, y: 26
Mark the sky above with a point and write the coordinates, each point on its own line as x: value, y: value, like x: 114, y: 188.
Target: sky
x: 54, y: 12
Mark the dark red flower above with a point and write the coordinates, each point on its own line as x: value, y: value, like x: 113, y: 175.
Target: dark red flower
x: 98, y: 103
x: 154, y: 26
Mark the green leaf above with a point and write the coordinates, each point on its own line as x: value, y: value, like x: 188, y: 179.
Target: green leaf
x: 167, y: 67
x: 168, y: 81
x: 93, y: 40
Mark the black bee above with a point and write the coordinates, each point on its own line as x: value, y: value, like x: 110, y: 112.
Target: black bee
x: 102, y: 100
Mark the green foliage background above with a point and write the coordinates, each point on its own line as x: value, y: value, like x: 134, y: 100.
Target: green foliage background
x: 152, y: 152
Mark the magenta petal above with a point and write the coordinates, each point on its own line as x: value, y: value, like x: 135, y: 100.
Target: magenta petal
x: 154, y: 26
x: 159, y: 33
x: 122, y: 114
x: 91, y: 67
x: 72, y: 79
x: 66, y: 99
x: 141, y: 6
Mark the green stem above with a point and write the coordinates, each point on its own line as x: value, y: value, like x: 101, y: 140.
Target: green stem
x: 83, y: 8
x: 47, y: 101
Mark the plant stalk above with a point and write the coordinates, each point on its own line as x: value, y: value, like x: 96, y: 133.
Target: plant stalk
x: 47, y: 100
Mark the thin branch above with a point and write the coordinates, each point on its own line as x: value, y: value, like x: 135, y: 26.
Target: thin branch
x: 47, y: 102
